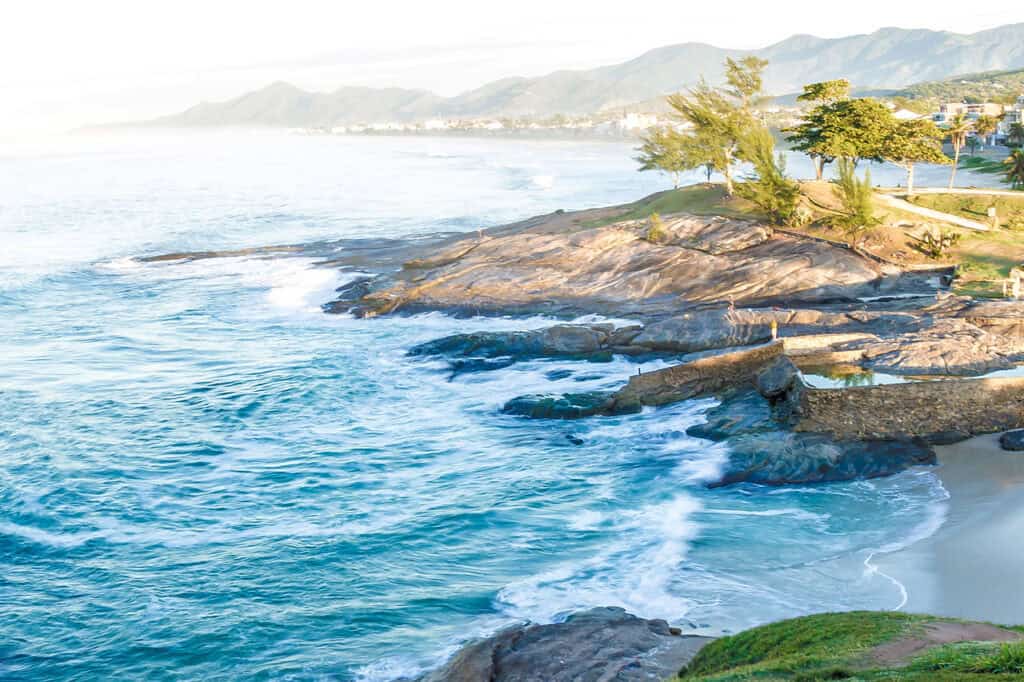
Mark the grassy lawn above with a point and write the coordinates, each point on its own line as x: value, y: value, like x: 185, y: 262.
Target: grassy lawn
x: 974, y: 207
x: 705, y: 200
x: 839, y: 646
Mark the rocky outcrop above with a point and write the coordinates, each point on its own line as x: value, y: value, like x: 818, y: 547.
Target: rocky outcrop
x: 779, y: 458
x: 1012, y: 440
x: 951, y: 346
x: 707, y: 329
x: 602, y: 644
x: 615, y: 269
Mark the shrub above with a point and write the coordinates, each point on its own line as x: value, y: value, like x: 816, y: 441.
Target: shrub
x: 769, y: 188
x: 656, y: 232
x: 935, y: 245
x: 857, y: 198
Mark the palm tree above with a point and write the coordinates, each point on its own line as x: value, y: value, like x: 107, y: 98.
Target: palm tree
x: 958, y: 129
x: 986, y: 126
x: 1015, y: 168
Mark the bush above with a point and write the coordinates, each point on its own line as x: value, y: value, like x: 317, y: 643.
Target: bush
x: 857, y: 198
x: 935, y: 245
x: 769, y: 188
x: 656, y: 232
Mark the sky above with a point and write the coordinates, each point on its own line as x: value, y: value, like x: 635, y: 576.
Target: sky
x: 70, y: 63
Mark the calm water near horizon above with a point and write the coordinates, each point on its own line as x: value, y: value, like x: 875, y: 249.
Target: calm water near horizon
x: 204, y: 474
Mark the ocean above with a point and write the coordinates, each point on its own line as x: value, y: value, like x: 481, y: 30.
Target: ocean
x: 204, y: 476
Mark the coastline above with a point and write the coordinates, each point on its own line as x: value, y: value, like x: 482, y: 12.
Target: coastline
x: 972, y: 566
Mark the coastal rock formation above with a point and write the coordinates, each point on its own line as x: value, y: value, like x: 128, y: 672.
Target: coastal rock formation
x: 565, y: 406
x: 614, y: 268
x: 599, y: 644
x: 780, y: 458
x: 1012, y: 440
x: 951, y: 346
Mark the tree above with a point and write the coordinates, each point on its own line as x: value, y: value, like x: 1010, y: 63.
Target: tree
x: 986, y: 126
x: 674, y: 152
x: 912, y: 142
x: 826, y: 92
x: 745, y: 80
x: 1016, y: 134
x: 857, y: 198
x: 1015, y: 169
x: 719, y: 117
x: 958, y: 130
x: 662, y: 151
x: 852, y: 129
x: 768, y: 188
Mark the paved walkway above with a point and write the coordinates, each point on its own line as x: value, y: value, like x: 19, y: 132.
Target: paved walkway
x: 903, y: 205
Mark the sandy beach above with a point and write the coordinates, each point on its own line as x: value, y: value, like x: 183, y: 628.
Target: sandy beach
x: 973, y: 566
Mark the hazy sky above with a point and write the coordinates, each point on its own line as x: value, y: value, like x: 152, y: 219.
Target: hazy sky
x: 66, y: 63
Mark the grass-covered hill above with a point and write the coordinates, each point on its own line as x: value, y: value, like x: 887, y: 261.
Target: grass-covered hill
x: 991, y: 86
x: 863, y: 645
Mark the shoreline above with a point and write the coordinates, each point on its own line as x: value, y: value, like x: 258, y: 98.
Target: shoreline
x: 972, y: 566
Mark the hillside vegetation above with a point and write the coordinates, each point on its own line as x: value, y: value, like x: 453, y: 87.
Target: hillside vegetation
x: 861, y: 645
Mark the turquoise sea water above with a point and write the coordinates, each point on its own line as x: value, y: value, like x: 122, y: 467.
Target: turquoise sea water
x: 202, y: 476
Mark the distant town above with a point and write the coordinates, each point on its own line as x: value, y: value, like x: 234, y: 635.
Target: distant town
x: 630, y: 124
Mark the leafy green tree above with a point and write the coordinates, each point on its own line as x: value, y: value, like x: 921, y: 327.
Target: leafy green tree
x: 851, y: 128
x: 768, y: 188
x: 745, y: 79
x: 661, y: 151
x: 825, y: 92
x: 958, y: 129
x: 719, y: 117
x: 857, y: 198
x: 673, y: 152
x: 1015, y: 169
x: 910, y: 143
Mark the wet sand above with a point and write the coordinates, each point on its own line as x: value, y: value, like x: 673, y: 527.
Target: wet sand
x: 973, y: 567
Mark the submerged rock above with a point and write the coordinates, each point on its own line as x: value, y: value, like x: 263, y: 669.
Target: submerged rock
x: 739, y: 413
x: 800, y: 458
x: 599, y: 644
x: 565, y: 406
x: 1012, y: 440
x: 595, y: 343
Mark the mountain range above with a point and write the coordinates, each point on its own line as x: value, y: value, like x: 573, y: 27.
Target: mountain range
x: 887, y: 58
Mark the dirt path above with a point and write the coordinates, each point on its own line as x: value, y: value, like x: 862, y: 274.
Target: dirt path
x: 899, y: 652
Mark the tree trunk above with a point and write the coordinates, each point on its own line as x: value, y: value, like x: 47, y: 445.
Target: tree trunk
x: 956, y: 162
x: 675, y: 180
x: 910, y: 180
x: 819, y: 168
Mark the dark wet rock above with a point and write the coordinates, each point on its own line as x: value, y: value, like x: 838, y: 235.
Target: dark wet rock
x: 558, y: 374
x: 574, y: 439
x: 469, y: 365
x: 778, y: 377
x: 565, y: 406
x: 739, y: 413
x: 590, y: 342
x: 349, y: 295
x: 1012, y: 440
x: 802, y: 458
x: 602, y: 644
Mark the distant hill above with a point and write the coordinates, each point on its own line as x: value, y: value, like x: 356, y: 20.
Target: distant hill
x: 991, y: 86
x: 888, y: 58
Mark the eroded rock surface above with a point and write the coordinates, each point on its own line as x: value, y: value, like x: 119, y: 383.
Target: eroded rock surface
x: 613, y: 267
x: 1012, y: 440
x: 599, y: 645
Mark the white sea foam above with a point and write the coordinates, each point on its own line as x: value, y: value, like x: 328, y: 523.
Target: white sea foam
x: 635, y: 572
